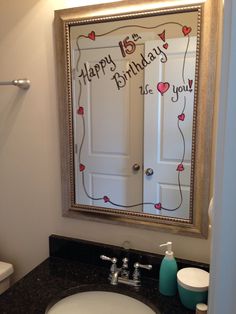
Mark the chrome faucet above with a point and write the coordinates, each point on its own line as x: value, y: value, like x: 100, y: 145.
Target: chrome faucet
x: 114, y: 277
x: 121, y: 275
x: 125, y: 268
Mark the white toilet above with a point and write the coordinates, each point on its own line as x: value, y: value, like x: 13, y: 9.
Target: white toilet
x: 6, y: 270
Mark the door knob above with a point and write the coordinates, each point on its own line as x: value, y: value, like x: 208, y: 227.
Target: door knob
x: 136, y: 167
x: 149, y: 172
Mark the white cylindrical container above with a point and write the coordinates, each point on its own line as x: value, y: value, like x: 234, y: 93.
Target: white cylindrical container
x: 192, y: 286
x: 201, y: 308
x: 6, y: 270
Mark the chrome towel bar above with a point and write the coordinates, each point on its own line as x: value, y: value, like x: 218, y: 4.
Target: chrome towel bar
x: 21, y: 83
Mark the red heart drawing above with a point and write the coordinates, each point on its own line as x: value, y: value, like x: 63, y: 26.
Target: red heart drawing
x: 157, y: 206
x: 163, y: 87
x: 106, y: 199
x: 181, y: 117
x: 180, y: 167
x: 166, y: 46
x: 163, y: 35
x: 186, y: 30
x: 81, y: 167
x: 190, y: 83
x: 91, y: 35
x: 80, y: 110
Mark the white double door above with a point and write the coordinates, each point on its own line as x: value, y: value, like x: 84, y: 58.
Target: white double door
x: 124, y: 130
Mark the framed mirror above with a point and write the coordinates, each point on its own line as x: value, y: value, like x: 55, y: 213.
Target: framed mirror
x: 136, y: 92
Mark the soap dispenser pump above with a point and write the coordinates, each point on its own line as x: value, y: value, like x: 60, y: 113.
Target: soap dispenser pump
x: 168, y: 272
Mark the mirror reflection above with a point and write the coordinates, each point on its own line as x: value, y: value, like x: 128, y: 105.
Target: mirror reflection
x: 134, y: 99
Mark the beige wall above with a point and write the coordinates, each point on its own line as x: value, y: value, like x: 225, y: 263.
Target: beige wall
x: 30, y: 201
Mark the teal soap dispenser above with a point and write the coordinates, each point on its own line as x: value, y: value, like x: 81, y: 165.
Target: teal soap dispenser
x: 168, y: 272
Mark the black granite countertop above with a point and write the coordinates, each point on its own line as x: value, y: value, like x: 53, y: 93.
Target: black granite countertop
x: 65, y: 273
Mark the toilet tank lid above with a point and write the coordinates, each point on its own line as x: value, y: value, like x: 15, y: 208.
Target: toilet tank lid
x: 6, y: 270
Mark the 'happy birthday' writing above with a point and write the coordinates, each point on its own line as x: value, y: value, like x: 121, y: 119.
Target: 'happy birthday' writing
x: 107, y: 64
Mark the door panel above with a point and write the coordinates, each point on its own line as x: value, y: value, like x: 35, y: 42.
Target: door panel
x: 168, y: 140
x: 113, y: 134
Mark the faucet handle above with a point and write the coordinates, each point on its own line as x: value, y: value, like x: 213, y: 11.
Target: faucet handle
x: 138, y: 265
x: 136, y: 273
x: 113, y: 260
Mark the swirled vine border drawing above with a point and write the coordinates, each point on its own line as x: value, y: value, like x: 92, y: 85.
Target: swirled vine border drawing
x: 162, y: 88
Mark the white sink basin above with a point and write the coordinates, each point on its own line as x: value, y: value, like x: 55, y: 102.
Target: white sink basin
x: 99, y: 302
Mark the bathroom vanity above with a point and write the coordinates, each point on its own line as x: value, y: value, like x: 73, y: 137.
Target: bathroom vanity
x: 74, y: 266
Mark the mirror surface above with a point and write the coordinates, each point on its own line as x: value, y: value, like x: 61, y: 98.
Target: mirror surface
x: 133, y: 111
x: 131, y: 125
